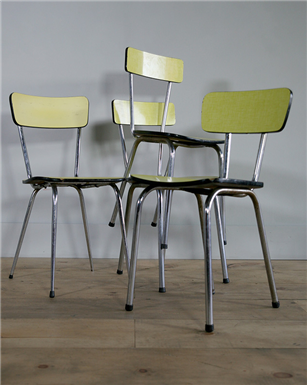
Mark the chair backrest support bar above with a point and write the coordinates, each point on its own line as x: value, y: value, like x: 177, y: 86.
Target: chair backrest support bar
x: 226, y: 158
x: 260, y: 156
x: 123, y: 145
x: 77, y: 155
x: 131, y: 98
x: 24, y: 151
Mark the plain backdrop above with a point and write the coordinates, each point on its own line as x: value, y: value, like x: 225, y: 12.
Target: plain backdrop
x: 77, y: 48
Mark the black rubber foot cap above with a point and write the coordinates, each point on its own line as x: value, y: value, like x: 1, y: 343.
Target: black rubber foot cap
x: 226, y: 280
x: 119, y: 272
x: 11, y: 277
x: 164, y: 246
x: 128, y: 307
x: 275, y: 305
x: 209, y: 328
x: 225, y: 243
x: 153, y: 224
x: 110, y: 224
x: 162, y: 290
x: 52, y: 294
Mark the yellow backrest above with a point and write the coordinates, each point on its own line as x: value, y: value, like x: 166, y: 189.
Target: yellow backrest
x: 246, y: 111
x: 153, y: 66
x: 49, y: 112
x: 145, y: 113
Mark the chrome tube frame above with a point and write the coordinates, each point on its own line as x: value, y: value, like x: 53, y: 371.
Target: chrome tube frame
x: 205, y: 222
x: 168, y: 213
x: 124, y: 243
x: 24, y: 151
x: 221, y: 241
x: 161, y: 250
x: 226, y: 156
x: 225, y: 174
x: 23, y: 229
x: 123, y: 145
x: 131, y: 98
x: 85, y: 224
x: 260, y: 156
x: 127, y: 216
x: 77, y: 154
x: 209, y: 326
x: 130, y: 163
x: 202, y: 227
x: 53, y: 238
x: 162, y: 128
x: 134, y: 249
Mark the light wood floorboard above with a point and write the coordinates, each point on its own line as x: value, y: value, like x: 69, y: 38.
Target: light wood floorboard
x: 84, y: 335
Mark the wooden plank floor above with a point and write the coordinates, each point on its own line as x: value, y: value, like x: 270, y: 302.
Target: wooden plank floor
x: 84, y: 335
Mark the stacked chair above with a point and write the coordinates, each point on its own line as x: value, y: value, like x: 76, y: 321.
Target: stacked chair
x: 243, y: 112
x: 133, y: 113
x: 58, y: 113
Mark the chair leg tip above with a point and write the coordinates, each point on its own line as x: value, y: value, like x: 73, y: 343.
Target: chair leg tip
x: 52, y: 294
x: 162, y: 290
x: 164, y: 246
x: 128, y: 307
x: 153, y: 224
x: 276, y: 305
x: 11, y: 276
x: 226, y: 280
x: 119, y: 272
x: 111, y: 224
x: 209, y: 328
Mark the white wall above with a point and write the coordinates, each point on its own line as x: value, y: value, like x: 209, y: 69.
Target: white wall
x: 77, y: 48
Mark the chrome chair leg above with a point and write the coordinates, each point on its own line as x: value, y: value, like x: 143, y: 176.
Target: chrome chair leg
x: 115, y: 209
x: 168, y: 204
x: 126, y: 174
x: 221, y: 243
x: 134, y: 250
x: 23, y: 230
x: 223, y: 218
x: 209, y: 323
x: 123, y: 184
x: 202, y: 226
x: 85, y: 224
x: 53, y: 238
x: 161, y: 250
x: 154, y: 220
x: 124, y: 244
x: 265, y: 249
x: 219, y: 225
x: 127, y: 216
x: 209, y: 326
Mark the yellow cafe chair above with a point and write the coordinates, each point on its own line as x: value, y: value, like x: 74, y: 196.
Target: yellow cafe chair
x: 242, y: 112
x: 58, y: 113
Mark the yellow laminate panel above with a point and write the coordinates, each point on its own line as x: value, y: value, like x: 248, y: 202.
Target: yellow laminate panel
x: 49, y: 112
x: 154, y: 66
x: 145, y: 113
x: 246, y: 111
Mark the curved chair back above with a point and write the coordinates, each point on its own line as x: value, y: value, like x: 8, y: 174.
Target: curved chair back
x: 154, y: 66
x: 49, y: 112
x: 146, y: 113
x: 244, y: 112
